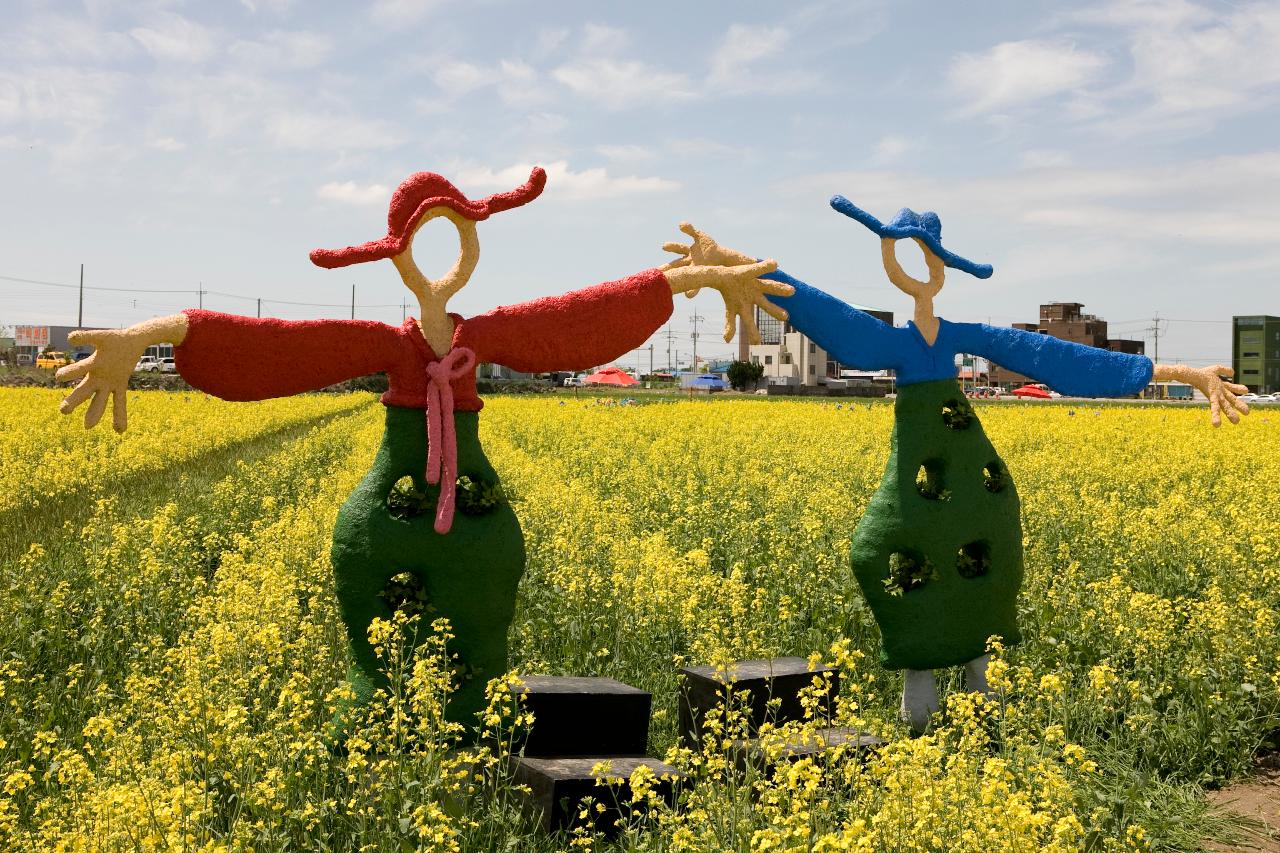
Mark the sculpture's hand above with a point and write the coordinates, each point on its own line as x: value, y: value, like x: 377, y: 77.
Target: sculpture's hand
x: 106, y: 372
x: 703, y: 251
x: 1221, y: 394
x: 742, y: 289
x: 1209, y: 381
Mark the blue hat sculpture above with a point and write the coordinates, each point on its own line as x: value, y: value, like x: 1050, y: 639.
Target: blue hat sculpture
x: 907, y: 223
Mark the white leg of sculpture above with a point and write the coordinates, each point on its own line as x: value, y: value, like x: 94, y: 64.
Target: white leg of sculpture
x: 975, y: 675
x: 919, y: 698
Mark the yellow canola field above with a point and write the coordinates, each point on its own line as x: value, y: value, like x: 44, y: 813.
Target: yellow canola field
x: 44, y: 454
x: 658, y: 535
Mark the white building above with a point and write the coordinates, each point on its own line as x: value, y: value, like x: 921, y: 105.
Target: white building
x: 791, y: 358
x: 794, y: 360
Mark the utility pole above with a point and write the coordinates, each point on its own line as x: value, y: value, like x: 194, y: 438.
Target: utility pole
x: 651, y: 359
x: 80, y: 316
x: 200, y: 293
x: 1155, y: 332
x: 696, y: 319
x: 671, y: 336
x: 259, y: 306
x: 404, y: 309
x: 353, y: 302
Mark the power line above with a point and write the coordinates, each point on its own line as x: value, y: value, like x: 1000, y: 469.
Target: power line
x: 113, y: 289
x: 199, y: 290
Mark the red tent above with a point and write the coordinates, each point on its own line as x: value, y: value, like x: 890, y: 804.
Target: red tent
x: 611, y: 376
x: 1031, y: 391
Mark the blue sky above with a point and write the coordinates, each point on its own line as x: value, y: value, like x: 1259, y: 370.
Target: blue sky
x: 1121, y: 154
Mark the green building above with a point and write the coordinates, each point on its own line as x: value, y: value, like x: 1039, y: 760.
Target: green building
x: 1255, y: 352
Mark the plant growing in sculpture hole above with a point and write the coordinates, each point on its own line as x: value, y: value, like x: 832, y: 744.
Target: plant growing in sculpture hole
x: 401, y: 517
x: 945, y: 489
x: 908, y: 571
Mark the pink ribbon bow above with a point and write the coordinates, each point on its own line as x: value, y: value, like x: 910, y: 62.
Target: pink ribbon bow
x: 442, y: 440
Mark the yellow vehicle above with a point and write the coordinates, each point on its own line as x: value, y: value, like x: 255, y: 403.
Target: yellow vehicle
x: 52, y: 359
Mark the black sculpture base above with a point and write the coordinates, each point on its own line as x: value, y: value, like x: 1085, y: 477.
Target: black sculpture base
x: 585, y: 716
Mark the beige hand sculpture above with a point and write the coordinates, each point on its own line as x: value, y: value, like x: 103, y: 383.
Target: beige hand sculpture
x: 742, y: 294
x: 1209, y: 381
x: 106, y: 372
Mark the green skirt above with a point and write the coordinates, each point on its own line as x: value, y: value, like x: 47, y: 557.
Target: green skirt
x: 469, y: 575
x: 938, y: 553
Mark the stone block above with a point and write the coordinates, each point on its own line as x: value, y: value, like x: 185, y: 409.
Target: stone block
x: 761, y: 681
x: 557, y: 787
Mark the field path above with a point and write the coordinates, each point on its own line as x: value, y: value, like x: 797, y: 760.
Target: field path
x: 1257, y: 799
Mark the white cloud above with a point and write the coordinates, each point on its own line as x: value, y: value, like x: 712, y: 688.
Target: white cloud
x: 516, y: 82
x: 1141, y: 13
x: 598, y: 39
x: 734, y: 64
x: 1191, y: 65
x: 625, y: 153
x: 549, y: 40
x: 1044, y: 158
x: 1228, y: 65
x: 326, y: 132
x: 892, y: 147
x: 1015, y: 73
x: 173, y: 38
x: 66, y: 95
x: 402, y: 12
x: 276, y: 7
x: 74, y: 39
x: 349, y: 192
x: 620, y: 84
x: 564, y: 183
x: 284, y: 49
x: 166, y: 143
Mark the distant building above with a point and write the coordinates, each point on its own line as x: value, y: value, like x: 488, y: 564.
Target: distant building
x: 30, y: 341
x: 1065, y: 321
x: 1255, y: 352
x: 790, y: 358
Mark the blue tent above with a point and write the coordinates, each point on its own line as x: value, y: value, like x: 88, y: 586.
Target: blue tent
x: 709, y: 381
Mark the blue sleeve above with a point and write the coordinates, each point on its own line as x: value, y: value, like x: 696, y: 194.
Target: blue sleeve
x: 849, y: 335
x: 1068, y: 368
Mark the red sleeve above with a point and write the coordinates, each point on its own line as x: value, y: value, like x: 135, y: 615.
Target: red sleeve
x: 575, y: 330
x: 245, y: 358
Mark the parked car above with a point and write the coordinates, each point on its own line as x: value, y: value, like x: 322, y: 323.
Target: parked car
x: 52, y: 359
x: 573, y: 382
x: 147, y: 364
x: 1265, y: 398
x: 24, y: 358
x: 1248, y: 398
x: 168, y: 365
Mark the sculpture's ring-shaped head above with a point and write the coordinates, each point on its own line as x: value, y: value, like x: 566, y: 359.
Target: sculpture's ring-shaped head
x: 913, y: 287
x: 420, y: 198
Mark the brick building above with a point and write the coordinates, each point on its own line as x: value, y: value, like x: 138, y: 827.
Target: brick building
x: 1066, y: 321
